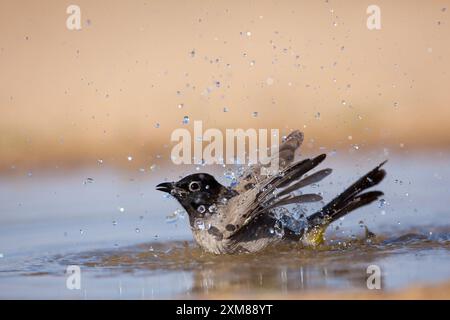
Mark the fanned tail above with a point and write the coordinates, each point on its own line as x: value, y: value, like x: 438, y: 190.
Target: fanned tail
x: 351, y: 199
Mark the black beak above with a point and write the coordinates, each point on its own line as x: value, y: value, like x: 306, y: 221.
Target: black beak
x: 165, y: 187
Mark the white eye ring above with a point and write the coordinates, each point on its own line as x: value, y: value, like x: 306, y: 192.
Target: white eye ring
x: 194, y: 186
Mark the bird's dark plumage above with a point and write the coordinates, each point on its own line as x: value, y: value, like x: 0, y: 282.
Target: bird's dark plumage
x: 244, y: 218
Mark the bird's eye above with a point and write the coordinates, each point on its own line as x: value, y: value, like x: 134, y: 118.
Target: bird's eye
x: 194, y: 186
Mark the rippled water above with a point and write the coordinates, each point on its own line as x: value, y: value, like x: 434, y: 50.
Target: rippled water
x: 181, y: 269
x: 48, y: 222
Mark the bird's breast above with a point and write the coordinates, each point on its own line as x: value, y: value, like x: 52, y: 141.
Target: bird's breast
x: 210, y: 242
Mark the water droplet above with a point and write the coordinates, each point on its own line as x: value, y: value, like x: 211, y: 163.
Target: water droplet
x: 255, y: 114
x: 225, y: 109
x: 277, y: 230
x: 249, y: 34
x: 81, y: 231
x: 212, y: 208
x: 174, y: 216
x: 157, y: 125
x: 199, y: 224
x: 395, y: 104
x: 343, y: 102
x: 130, y: 158
x: 185, y: 120
x: 317, y: 116
x: 252, y: 63
x: 229, y: 175
x: 114, y: 223
x: 201, y: 209
x: 137, y: 230
x: 153, y: 167
x: 122, y: 209
x: 192, y: 53
x: 180, y: 106
x: 1, y: 255
x: 88, y: 180
x: 382, y: 203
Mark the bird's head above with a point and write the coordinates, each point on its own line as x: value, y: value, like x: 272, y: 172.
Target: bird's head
x: 200, y: 194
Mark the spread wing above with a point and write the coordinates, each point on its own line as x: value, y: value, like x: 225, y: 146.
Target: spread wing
x: 252, y: 176
x: 260, y: 194
x: 277, y: 191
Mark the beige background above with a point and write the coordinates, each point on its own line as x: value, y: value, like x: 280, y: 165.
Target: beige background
x: 72, y: 97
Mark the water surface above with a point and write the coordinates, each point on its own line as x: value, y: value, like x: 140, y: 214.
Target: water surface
x: 114, y: 227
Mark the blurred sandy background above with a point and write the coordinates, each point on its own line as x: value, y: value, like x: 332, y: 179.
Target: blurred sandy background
x: 114, y: 88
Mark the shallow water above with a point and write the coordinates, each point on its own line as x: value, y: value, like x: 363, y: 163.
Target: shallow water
x: 50, y: 221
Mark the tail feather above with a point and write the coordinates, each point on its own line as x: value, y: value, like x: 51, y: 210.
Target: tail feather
x: 350, y: 199
x: 358, y: 202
